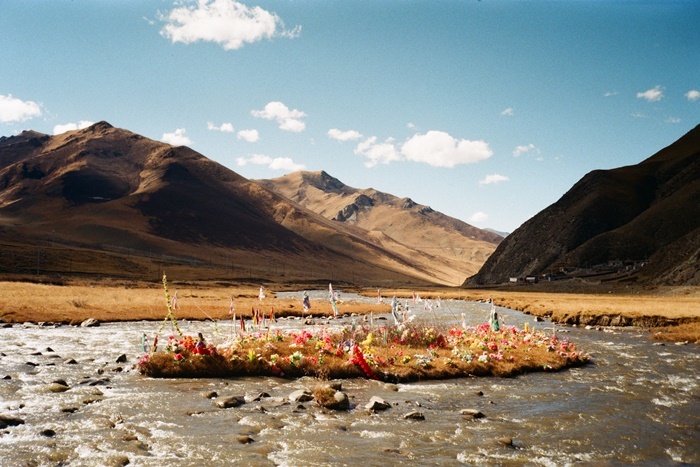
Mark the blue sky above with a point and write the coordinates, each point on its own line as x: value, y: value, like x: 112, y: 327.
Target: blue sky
x: 487, y: 111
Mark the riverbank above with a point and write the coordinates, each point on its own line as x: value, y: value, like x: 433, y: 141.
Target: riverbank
x: 671, y: 314
x: 667, y: 313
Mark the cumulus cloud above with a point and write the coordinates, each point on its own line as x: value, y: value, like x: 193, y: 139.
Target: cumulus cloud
x: 652, y: 95
x: 277, y: 163
x: 377, y: 153
x: 478, y: 217
x: 177, y: 138
x: 226, y: 22
x: 508, y: 112
x: 17, y: 110
x: 692, y: 95
x: 439, y: 149
x: 224, y: 128
x: 493, y: 179
x: 249, y: 135
x: 289, y: 120
x: 525, y: 149
x: 58, y: 129
x: 350, y: 135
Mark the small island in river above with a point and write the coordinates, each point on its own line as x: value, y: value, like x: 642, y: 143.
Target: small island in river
x: 399, y: 352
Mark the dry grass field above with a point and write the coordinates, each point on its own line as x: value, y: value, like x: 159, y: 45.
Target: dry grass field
x: 669, y: 313
x: 129, y: 301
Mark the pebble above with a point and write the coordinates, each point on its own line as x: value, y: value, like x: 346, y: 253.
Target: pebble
x: 414, y: 415
x: 301, y: 395
x: 230, y: 402
x: 472, y: 414
x: 377, y: 403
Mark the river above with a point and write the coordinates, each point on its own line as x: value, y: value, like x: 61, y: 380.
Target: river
x: 639, y: 403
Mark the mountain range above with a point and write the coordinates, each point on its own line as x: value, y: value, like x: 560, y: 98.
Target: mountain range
x: 109, y: 202
x: 637, y: 223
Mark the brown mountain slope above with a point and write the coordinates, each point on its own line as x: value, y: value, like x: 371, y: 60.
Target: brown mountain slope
x: 446, y: 247
x: 649, y: 211
x: 103, y: 188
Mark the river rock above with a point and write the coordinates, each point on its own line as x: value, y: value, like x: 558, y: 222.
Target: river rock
x: 259, y: 397
x: 230, y: 402
x: 58, y: 387
x: 210, y: 395
x: 245, y: 439
x: 6, y: 420
x: 89, y: 323
x: 302, y: 395
x: 472, y: 414
x: 121, y: 358
x: 505, y: 441
x: 331, y: 398
x: 49, y: 433
x: 71, y: 361
x: 377, y: 403
x: 118, y: 461
x: 414, y: 415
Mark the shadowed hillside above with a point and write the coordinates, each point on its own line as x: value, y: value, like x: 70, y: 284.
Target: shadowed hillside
x: 449, y: 248
x: 107, y: 201
x: 640, y: 222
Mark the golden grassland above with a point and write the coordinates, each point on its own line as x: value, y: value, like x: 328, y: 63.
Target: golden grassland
x: 671, y: 313
x: 131, y: 301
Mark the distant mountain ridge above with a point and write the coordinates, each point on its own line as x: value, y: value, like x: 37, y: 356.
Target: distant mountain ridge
x: 451, y: 248
x: 107, y: 201
x: 647, y: 213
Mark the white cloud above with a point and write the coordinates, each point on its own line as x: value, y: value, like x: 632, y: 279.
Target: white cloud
x: 478, y: 217
x: 652, y: 95
x: 249, y: 135
x: 377, y: 153
x: 350, y: 135
x: 277, y: 163
x: 177, y: 138
x: 692, y: 95
x: 638, y: 115
x: 58, y: 129
x: 439, y: 149
x: 508, y: 112
x: 673, y: 120
x: 410, y: 126
x: 17, y: 110
x: 226, y: 22
x: 610, y: 94
x: 224, y: 128
x: 493, y: 179
x: 525, y: 149
x: 289, y: 120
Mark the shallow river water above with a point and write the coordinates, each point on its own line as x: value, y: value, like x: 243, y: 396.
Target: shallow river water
x: 638, y: 403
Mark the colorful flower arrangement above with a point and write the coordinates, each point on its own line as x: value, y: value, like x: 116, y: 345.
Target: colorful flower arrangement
x: 395, y: 353
x: 389, y: 353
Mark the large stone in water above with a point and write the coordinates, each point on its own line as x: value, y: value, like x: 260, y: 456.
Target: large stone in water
x: 377, y: 403
x: 302, y: 395
x: 229, y: 402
